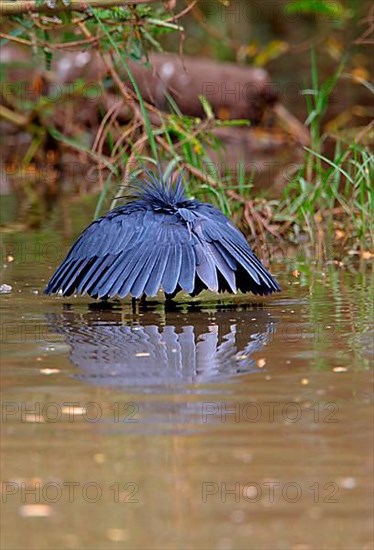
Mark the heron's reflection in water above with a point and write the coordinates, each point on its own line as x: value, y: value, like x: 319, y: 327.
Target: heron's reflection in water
x: 157, y: 348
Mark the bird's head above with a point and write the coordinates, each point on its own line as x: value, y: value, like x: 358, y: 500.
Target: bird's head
x: 161, y: 193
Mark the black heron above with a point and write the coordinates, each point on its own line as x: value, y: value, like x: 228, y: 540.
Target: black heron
x: 160, y: 240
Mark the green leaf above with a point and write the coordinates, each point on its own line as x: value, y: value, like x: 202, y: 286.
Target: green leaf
x: 206, y: 106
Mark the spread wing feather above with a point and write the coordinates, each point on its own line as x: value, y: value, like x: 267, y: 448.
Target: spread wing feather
x: 187, y: 273
x: 138, y: 288
x: 172, y: 269
x: 224, y: 266
x: 75, y: 271
x: 231, y: 246
x: 136, y: 250
x: 94, y: 272
x: 127, y: 252
x: 205, y: 266
x: 154, y: 281
x: 56, y: 280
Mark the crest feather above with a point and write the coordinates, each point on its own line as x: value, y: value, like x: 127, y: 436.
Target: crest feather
x: 159, y: 191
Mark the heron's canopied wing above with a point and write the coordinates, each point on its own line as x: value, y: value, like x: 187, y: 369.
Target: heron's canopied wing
x: 95, y: 249
x: 128, y: 252
x: 230, y: 251
x: 167, y: 272
x: 187, y: 272
x: 206, y: 268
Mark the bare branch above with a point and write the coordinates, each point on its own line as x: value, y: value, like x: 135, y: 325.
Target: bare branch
x: 31, y: 6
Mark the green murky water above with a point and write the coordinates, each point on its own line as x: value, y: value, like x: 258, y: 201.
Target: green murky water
x: 225, y: 423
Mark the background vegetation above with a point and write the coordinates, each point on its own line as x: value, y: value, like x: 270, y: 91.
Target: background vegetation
x: 322, y: 46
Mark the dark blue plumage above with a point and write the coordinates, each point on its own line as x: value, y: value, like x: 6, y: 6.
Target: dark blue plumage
x: 160, y: 240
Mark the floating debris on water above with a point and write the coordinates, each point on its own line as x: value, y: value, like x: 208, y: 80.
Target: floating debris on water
x: 117, y: 535
x: 5, y: 289
x: 49, y: 371
x: 35, y: 511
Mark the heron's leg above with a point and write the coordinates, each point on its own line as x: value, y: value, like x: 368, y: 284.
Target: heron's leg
x: 169, y: 301
x: 104, y: 304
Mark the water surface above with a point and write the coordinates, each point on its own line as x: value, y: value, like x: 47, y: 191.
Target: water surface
x: 223, y: 423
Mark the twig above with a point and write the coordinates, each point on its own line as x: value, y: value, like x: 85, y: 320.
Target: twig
x: 15, y: 39
x: 115, y: 107
x: 12, y: 116
x: 115, y: 157
x: 136, y: 150
x: 127, y: 95
x: 182, y: 13
x: 32, y: 6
